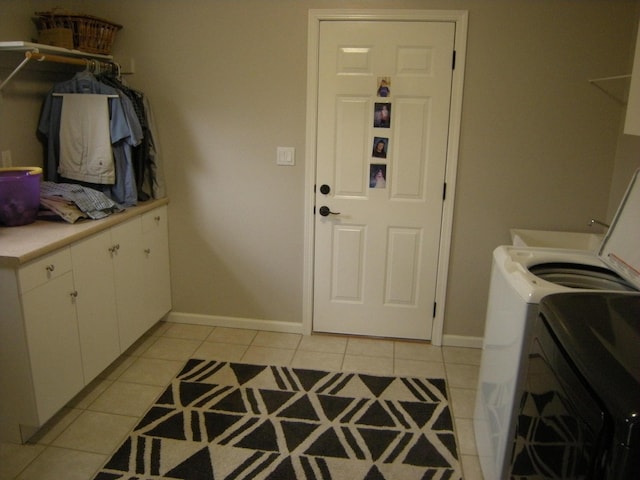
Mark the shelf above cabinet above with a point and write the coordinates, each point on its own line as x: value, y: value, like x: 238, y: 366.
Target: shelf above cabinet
x: 19, y: 46
x: 41, y: 52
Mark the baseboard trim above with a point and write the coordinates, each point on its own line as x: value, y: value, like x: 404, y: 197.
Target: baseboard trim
x: 461, y: 341
x: 235, y: 322
x: 289, y: 327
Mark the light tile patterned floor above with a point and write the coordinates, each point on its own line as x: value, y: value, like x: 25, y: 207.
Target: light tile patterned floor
x: 75, y: 443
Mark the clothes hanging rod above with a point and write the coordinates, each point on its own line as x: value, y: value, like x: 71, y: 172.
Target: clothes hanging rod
x: 46, y: 57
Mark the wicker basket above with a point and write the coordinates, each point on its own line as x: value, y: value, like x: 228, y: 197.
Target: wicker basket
x: 88, y: 33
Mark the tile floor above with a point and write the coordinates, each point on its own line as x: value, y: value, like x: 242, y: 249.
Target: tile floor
x: 75, y: 443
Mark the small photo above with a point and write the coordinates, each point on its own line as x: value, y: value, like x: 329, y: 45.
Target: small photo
x: 382, y: 115
x: 378, y: 175
x: 380, y: 147
x: 384, y: 86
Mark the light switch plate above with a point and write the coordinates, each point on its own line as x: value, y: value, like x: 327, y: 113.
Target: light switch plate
x: 286, y: 156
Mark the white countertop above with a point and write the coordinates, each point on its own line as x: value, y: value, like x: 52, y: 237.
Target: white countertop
x: 19, y: 245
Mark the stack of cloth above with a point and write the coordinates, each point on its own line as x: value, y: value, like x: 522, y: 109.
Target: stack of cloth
x: 72, y: 202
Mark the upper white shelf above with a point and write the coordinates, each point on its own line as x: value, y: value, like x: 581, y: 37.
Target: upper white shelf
x: 19, y: 46
x: 38, y: 51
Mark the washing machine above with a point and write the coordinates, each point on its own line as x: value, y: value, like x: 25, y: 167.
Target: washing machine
x: 520, y: 278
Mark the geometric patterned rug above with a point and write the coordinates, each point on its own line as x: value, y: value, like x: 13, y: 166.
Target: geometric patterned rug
x: 234, y: 421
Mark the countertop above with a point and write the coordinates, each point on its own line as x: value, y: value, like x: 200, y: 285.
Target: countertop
x: 19, y: 245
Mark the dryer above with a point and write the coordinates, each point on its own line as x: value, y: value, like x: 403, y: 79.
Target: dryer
x: 520, y: 278
x: 579, y: 416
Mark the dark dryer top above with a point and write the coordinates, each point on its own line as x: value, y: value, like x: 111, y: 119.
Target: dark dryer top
x: 600, y: 334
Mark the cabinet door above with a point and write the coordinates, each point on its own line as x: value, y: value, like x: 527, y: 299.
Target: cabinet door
x: 129, y: 280
x: 96, y: 302
x: 157, y: 284
x: 54, y: 348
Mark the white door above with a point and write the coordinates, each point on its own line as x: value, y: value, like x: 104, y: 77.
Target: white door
x: 384, y: 84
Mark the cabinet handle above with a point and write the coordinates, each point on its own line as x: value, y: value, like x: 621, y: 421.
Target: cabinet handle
x: 74, y: 294
x: 114, y: 248
x: 157, y: 218
x: 50, y: 268
x: 147, y: 251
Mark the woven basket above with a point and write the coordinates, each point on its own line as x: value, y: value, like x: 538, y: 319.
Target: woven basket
x: 88, y: 33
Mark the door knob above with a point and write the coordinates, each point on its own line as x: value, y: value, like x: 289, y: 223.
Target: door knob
x: 325, y: 211
x: 325, y: 189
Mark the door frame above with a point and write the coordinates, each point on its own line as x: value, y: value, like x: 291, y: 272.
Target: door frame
x: 460, y: 18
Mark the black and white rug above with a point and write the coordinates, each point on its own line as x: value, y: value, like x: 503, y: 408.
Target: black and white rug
x: 233, y: 421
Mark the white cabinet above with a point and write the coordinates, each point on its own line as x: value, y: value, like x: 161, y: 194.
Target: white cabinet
x: 114, y: 272
x: 156, y: 284
x: 141, y: 273
x: 128, y: 278
x: 51, y: 328
x: 95, y: 303
x: 67, y: 315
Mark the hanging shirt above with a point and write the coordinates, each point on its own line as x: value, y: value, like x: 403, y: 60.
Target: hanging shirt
x: 85, y: 140
x: 156, y: 178
x: 146, y: 157
x: 50, y: 118
x: 125, y: 190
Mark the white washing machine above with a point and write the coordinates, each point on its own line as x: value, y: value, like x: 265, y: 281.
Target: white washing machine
x: 520, y: 278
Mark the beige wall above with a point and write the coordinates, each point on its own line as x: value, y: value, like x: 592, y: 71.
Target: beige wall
x: 227, y: 80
